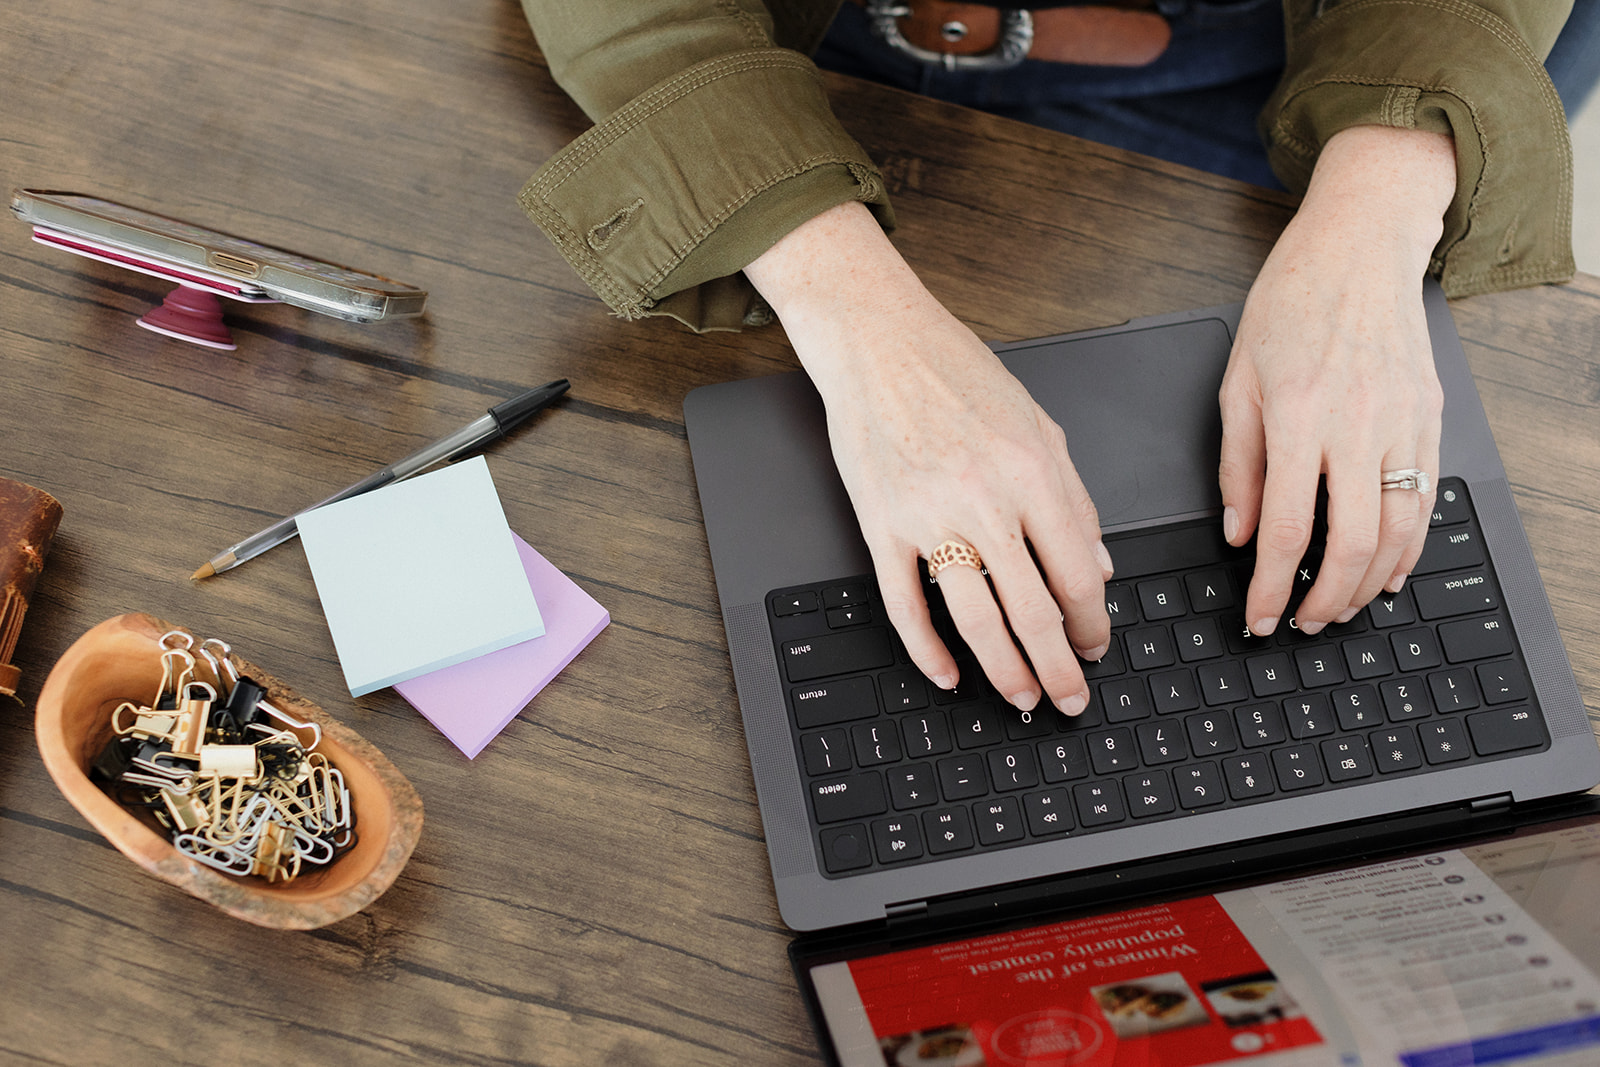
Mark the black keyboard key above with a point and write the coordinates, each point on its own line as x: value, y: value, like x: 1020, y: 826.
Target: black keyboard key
x: 1112, y: 751
x: 1368, y: 657
x: 1444, y: 741
x: 1347, y: 758
x: 1013, y: 768
x: 1121, y: 606
x: 1308, y: 716
x: 1125, y: 699
x: 1405, y: 699
x: 1392, y: 609
x: 1449, y: 550
x: 833, y: 702
x: 1197, y: 639
x: 1395, y: 749
x: 839, y: 618
x: 1455, y: 690
x: 1505, y: 730
x: 1198, y: 786
x: 1414, y: 650
x: 1049, y: 812
x: 1149, y: 794
x: 998, y: 821
x: 1063, y: 760
x: 962, y: 777
x: 1161, y: 742
x: 896, y: 840
x: 1461, y: 594
x: 1162, y: 598
x: 1211, y: 734
x: 977, y: 726
x: 845, y: 848
x: 852, y: 797
x: 848, y: 595
x: 786, y: 604
x: 1174, y: 691
x: 1318, y: 666
x: 1098, y: 804
x: 1223, y: 683
x: 1248, y: 776
x: 1298, y: 768
x: 1242, y: 639
x: 1358, y: 708
x: 1502, y: 682
x: 825, y: 753
x: 1035, y: 722
x: 904, y: 690
x: 970, y: 685
x: 1260, y: 724
x: 1450, y: 505
x: 875, y: 742
x: 1272, y: 674
x: 1150, y: 648
x: 1472, y: 639
x: 1109, y: 665
x: 912, y: 786
x: 926, y: 734
x: 1209, y: 590
x: 947, y: 830
x: 847, y: 652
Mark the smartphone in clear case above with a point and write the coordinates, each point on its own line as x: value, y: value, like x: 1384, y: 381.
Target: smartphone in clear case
x: 209, y: 259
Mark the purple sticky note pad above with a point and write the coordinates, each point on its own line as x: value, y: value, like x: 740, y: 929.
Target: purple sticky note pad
x: 472, y: 701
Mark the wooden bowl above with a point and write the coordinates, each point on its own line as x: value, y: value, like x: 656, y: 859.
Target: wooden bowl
x: 120, y: 660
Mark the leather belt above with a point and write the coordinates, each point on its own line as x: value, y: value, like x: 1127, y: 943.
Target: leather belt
x: 959, y: 36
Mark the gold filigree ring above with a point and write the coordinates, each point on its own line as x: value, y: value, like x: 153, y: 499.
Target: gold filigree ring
x: 953, y: 554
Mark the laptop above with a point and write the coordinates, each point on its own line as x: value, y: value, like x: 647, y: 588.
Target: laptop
x: 1205, y: 753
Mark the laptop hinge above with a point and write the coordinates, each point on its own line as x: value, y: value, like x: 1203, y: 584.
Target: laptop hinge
x: 1497, y: 802
x: 906, y: 912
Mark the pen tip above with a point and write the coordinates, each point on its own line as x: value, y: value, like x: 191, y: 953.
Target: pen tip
x: 206, y: 571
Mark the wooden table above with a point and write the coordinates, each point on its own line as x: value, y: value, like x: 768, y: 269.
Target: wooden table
x: 593, y: 888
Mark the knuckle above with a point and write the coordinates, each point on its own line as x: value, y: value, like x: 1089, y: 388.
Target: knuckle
x: 1033, y: 612
x: 1286, y: 533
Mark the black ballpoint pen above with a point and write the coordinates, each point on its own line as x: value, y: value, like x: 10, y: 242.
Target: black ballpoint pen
x: 470, y: 438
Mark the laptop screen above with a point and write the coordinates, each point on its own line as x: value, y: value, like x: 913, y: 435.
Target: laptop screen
x: 1484, y: 954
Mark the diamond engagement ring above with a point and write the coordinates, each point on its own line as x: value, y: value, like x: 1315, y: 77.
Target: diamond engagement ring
x: 1410, y: 478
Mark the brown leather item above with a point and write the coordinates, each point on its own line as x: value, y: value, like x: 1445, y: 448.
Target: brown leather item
x: 28, y: 521
x: 1110, y: 35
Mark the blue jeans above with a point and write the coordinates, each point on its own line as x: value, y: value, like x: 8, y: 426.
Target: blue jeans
x: 1196, y: 104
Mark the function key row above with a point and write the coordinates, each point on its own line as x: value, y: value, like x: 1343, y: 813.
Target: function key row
x: 911, y: 834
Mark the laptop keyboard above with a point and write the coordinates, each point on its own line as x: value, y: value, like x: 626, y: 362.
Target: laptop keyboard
x: 1189, y: 711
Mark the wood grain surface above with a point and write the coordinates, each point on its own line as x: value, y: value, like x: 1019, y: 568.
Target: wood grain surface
x: 593, y: 889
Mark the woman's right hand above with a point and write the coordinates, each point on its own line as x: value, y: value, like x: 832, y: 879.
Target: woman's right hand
x: 935, y: 440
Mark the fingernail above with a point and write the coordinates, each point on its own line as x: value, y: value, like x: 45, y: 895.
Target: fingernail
x: 1230, y: 523
x: 1309, y: 628
x: 1074, y: 704
x: 945, y: 681
x: 1025, y: 701
x: 1347, y: 614
x: 1095, y: 654
x: 1105, y: 558
x: 1263, y: 627
x: 1397, y: 582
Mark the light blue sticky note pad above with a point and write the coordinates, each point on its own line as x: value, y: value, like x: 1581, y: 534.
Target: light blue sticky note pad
x: 419, y: 575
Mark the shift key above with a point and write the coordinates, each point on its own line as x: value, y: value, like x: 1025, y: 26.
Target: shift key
x: 849, y: 652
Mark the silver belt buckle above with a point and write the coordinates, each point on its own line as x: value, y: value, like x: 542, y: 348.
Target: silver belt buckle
x: 1016, y: 37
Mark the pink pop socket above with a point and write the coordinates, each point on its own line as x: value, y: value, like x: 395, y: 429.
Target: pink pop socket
x: 190, y: 315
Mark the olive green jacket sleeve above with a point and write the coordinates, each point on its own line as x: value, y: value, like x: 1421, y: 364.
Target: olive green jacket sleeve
x: 1470, y: 68
x: 713, y: 139
x: 711, y: 142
